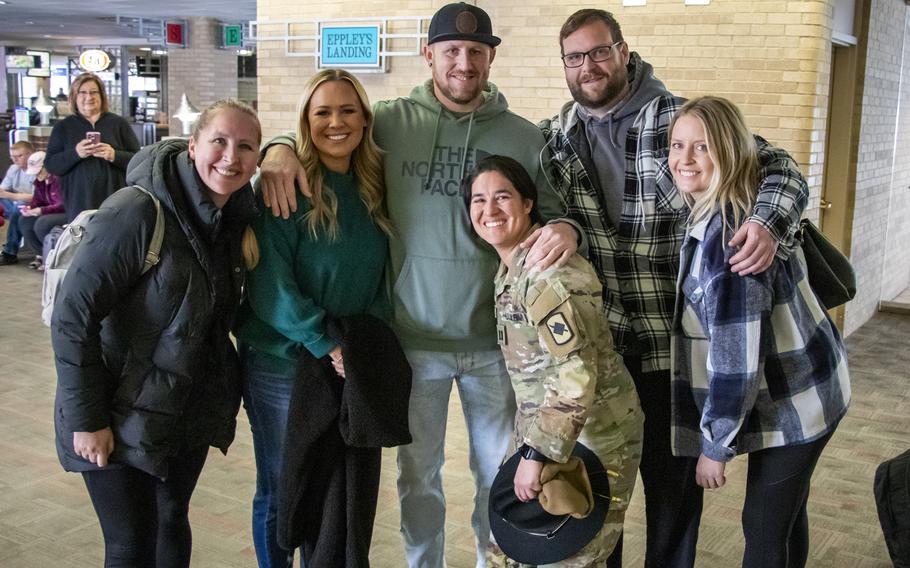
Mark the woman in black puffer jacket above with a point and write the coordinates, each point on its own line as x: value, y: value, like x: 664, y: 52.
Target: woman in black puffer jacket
x: 148, y: 378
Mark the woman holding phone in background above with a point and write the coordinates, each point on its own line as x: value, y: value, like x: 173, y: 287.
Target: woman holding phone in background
x: 90, y: 149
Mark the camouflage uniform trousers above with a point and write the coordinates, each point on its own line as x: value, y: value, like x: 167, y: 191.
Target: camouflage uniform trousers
x: 596, y: 552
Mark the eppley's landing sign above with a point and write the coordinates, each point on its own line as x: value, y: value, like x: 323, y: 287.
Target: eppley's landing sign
x: 349, y: 46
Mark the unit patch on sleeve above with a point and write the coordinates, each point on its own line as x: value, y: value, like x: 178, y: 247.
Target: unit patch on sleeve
x: 559, y: 332
x: 559, y: 329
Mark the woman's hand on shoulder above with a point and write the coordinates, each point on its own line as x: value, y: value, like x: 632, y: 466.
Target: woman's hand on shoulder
x: 94, y: 446
x: 709, y: 473
x: 277, y: 173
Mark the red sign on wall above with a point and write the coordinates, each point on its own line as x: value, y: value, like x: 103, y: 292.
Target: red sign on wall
x: 174, y: 33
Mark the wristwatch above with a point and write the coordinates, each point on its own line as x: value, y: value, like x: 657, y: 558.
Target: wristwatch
x: 529, y: 453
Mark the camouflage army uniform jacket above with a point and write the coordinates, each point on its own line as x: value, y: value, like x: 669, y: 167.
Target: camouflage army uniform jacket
x: 569, y: 382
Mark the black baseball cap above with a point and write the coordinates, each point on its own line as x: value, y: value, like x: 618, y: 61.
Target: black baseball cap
x: 461, y: 21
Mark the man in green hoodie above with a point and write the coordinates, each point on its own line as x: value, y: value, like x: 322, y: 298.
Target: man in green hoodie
x: 608, y: 149
x: 441, y: 276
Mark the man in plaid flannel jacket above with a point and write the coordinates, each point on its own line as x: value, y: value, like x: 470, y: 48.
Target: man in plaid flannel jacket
x: 605, y: 148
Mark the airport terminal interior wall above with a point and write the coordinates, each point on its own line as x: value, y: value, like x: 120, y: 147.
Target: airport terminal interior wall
x: 202, y: 70
x: 881, y: 217
x: 771, y: 57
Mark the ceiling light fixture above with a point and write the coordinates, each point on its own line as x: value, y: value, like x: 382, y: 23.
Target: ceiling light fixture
x: 186, y: 114
x: 43, y: 106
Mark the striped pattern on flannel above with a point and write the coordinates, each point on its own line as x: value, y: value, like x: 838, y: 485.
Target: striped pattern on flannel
x: 758, y: 362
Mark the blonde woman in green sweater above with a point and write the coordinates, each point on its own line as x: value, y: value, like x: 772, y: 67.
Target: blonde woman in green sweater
x: 326, y: 260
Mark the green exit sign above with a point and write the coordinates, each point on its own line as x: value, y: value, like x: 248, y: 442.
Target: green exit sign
x: 232, y: 36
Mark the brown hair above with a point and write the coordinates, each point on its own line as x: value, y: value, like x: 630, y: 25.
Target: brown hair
x: 77, y: 84
x: 586, y: 16
x: 514, y: 172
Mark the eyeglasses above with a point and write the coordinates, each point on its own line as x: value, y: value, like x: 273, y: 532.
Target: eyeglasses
x: 88, y: 93
x: 598, y: 54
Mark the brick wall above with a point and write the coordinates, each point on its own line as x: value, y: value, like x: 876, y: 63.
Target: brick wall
x: 896, y: 277
x: 202, y: 71
x: 772, y: 57
x: 881, y: 224
x: 897, y: 273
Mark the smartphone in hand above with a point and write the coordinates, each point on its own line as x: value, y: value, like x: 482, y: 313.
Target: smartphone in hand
x: 93, y: 137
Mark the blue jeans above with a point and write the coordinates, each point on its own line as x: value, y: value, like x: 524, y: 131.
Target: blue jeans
x: 488, y: 403
x: 8, y: 207
x: 266, y: 396
x: 13, y: 233
x: 34, y: 229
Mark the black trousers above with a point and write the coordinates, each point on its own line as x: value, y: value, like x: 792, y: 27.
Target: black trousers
x: 34, y: 229
x: 673, y: 501
x: 775, y: 522
x: 144, y: 519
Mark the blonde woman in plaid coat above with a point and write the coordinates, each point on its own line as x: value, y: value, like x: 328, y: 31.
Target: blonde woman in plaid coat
x: 758, y: 366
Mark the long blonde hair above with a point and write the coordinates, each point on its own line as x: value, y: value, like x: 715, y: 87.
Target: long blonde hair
x: 366, y: 160
x: 733, y: 151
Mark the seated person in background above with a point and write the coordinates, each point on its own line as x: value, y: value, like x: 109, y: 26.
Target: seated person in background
x: 570, y: 385
x: 15, y: 189
x: 45, y: 211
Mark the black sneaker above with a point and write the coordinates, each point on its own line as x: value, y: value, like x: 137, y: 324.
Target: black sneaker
x: 6, y: 258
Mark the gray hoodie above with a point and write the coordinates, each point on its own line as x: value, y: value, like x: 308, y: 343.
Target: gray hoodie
x: 440, y: 272
x: 600, y: 142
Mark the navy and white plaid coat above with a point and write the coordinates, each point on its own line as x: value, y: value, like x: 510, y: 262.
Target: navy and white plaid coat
x: 638, y: 261
x: 757, y: 361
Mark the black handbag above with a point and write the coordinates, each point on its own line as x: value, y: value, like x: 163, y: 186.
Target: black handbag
x: 830, y: 273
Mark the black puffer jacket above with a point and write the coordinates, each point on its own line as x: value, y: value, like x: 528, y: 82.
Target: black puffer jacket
x: 150, y: 355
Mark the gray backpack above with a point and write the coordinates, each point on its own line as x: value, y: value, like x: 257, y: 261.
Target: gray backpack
x: 59, y: 259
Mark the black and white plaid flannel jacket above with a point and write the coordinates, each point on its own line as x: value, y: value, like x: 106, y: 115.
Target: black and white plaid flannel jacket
x: 638, y: 262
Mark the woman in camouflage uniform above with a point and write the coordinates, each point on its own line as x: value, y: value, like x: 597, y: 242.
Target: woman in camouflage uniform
x: 569, y: 383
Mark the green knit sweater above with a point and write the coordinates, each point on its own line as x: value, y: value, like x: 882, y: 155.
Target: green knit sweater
x: 301, y: 279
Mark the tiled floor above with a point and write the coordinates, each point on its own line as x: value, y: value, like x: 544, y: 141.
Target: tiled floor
x: 46, y: 518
